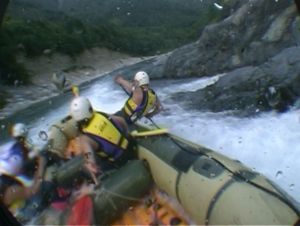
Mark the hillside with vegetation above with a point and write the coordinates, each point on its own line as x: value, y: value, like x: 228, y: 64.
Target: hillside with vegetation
x: 135, y: 27
x: 139, y: 28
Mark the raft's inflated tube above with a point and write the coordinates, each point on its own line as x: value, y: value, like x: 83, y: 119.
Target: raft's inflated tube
x: 120, y: 190
x: 70, y: 172
x: 115, y: 193
x: 60, y: 133
x: 212, y: 188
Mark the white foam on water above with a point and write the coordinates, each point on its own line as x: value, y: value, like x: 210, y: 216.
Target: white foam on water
x: 269, y: 143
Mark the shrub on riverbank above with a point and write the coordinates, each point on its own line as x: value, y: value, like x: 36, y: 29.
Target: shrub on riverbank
x: 11, y: 72
x: 136, y: 34
x: 3, y: 97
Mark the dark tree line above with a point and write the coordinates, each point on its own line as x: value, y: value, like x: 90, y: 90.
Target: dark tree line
x: 3, y: 6
x: 298, y: 5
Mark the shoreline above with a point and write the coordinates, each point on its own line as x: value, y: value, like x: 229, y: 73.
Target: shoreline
x: 90, y: 65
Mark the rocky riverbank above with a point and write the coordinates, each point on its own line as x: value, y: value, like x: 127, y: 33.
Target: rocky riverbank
x: 257, y: 47
x: 90, y: 64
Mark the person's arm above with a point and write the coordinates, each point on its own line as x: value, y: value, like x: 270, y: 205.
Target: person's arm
x: 88, y: 146
x: 38, y: 177
x: 16, y: 192
x: 158, y: 105
x: 126, y: 85
x: 13, y: 193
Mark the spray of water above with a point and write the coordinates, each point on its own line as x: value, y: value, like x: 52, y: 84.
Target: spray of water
x: 269, y: 143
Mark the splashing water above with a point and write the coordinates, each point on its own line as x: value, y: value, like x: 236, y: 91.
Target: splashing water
x: 269, y: 143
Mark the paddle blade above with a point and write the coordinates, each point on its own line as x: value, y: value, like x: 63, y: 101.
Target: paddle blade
x: 149, y: 133
x: 75, y: 90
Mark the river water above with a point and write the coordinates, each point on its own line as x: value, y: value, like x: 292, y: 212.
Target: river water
x: 269, y: 143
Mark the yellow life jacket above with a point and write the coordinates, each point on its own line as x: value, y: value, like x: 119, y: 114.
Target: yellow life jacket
x: 103, y: 127
x: 16, y: 205
x: 134, y: 111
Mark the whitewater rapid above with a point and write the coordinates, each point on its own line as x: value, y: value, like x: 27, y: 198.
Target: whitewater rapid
x: 269, y: 143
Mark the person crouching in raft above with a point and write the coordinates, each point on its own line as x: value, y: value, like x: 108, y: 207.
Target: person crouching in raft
x: 104, y: 138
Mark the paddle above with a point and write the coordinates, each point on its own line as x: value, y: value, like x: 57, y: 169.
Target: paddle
x: 75, y: 90
x: 155, y: 132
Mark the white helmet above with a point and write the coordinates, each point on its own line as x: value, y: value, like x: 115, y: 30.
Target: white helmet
x: 81, y: 108
x: 142, y: 78
x: 19, y: 130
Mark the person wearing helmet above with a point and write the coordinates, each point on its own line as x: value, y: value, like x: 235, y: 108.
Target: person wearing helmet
x: 15, y: 190
x: 14, y: 157
x: 19, y: 131
x: 16, y: 152
x: 103, y: 136
x: 142, y: 99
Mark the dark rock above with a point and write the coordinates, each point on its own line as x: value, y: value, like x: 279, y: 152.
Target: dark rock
x: 253, y: 33
x: 257, y: 47
x: 246, y: 91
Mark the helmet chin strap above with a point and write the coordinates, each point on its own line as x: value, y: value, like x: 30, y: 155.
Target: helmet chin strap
x: 21, y: 139
x: 133, y: 87
x: 135, y: 84
x: 81, y: 124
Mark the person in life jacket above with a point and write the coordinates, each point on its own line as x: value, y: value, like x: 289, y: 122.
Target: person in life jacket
x: 104, y: 138
x: 16, y: 152
x: 142, y: 99
x: 14, y: 186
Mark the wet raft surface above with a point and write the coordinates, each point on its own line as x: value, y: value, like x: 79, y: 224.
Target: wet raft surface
x: 204, y: 182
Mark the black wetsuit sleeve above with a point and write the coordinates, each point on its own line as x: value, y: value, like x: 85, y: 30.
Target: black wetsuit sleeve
x: 6, y: 217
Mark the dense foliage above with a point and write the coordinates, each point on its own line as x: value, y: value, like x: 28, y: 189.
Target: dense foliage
x: 10, y: 70
x: 3, y: 97
x: 138, y: 28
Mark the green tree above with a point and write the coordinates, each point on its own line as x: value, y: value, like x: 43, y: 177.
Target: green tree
x: 3, y: 7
